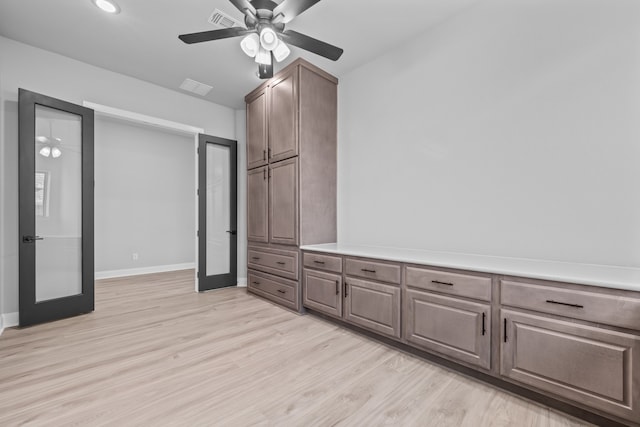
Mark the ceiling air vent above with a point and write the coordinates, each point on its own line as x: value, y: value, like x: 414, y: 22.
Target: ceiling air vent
x: 222, y: 20
x: 195, y: 87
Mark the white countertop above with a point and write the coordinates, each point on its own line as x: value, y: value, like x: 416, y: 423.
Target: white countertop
x: 586, y: 274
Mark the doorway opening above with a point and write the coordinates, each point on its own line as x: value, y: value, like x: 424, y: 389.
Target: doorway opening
x: 158, y: 201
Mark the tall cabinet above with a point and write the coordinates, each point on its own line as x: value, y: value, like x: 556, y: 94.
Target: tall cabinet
x: 291, y: 176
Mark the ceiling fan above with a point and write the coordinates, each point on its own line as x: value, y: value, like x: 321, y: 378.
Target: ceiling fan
x: 265, y: 35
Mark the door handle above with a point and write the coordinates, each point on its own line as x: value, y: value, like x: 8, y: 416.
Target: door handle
x: 31, y: 239
x: 232, y: 232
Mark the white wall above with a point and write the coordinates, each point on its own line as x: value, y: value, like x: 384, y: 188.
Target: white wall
x: 58, y: 76
x: 511, y: 129
x: 144, y: 196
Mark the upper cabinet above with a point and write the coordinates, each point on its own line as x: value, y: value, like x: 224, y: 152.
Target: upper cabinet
x: 257, y: 137
x: 283, y: 112
x: 292, y: 157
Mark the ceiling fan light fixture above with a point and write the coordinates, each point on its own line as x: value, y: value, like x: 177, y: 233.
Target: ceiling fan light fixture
x: 268, y: 38
x: 45, y: 151
x: 250, y: 44
x: 108, y: 6
x: 281, y: 51
x: 263, y: 57
x: 56, y: 152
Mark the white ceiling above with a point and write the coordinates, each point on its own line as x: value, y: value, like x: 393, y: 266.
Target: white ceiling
x: 142, y: 41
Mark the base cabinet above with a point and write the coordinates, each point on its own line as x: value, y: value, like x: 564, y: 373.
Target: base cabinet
x: 277, y: 289
x: 373, y: 306
x: 573, y: 343
x: 322, y: 292
x: 453, y: 327
x: 594, y: 366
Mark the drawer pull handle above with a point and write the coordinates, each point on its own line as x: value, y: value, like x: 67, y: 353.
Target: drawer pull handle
x: 505, y: 329
x: 255, y: 258
x: 550, y: 301
x: 318, y: 262
x: 337, y: 287
x: 280, y: 262
x: 256, y: 283
x: 441, y: 283
x: 484, y: 328
x: 281, y: 291
x: 366, y: 270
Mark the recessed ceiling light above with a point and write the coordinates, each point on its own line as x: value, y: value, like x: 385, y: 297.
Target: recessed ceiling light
x: 108, y: 6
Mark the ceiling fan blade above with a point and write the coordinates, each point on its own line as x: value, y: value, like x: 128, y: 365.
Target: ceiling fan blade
x: 206, y: 36
x: 241, y: 5
x: 312, y: 45
x: 265, y: 71
x: 289, y: 9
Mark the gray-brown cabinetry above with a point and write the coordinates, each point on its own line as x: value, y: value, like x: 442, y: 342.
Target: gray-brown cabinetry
x: 283, y: 131
x: 575, y: 343
x: 554, y: 350
x: 291, y: 162
x: 258, y: 205
x: 257, y: 142
x: 283, y: 202
x: 453, y: 327
x: 322, y: 291
x: 594, y: 366
x: 368, y: 295
x: 448, y: 324
x: 371, y: 305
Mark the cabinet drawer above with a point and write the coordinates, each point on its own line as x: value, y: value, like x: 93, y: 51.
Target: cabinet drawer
x: 465, y: 285
x: 322, y: 291
x: 589, y: 365
x: 454, y: 327
x: 275, y: 261
x: 373, y: 270
x: 323, y: 262
x: 592, y: 306
x: 373, y: 306
x: 282, y: 291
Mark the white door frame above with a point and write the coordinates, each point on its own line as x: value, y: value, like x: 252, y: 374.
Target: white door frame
x: 106, y: 111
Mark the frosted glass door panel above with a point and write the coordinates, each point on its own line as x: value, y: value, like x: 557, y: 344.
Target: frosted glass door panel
x: 58, y: 202
x: 218, y: 215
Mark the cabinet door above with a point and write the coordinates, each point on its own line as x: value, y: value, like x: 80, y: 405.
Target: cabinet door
x: 586, y: 364
x: 374, y: 306
x: 257, y: 205
x: 283, y: 202
x: 451, y: 326
x: 322, y: 292
x: 283, y: 117
x: 257, y: 130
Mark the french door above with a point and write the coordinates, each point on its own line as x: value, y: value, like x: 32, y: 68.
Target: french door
x: 56, y: 209
x: 217, y: 216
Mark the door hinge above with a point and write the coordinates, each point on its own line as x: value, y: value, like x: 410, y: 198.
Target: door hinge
x: 198, y: 274
x: 197, y: 233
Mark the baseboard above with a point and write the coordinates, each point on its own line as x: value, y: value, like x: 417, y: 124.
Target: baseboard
x: 242, y: 282
x: 9, y: 320
x: 144, y: 270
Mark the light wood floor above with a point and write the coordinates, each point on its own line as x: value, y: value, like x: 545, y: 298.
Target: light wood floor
x: 156, y: 353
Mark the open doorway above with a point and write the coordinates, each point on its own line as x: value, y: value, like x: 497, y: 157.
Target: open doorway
x: 144, y: 199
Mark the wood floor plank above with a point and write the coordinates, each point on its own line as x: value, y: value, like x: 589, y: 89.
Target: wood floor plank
x: 156, y: 353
